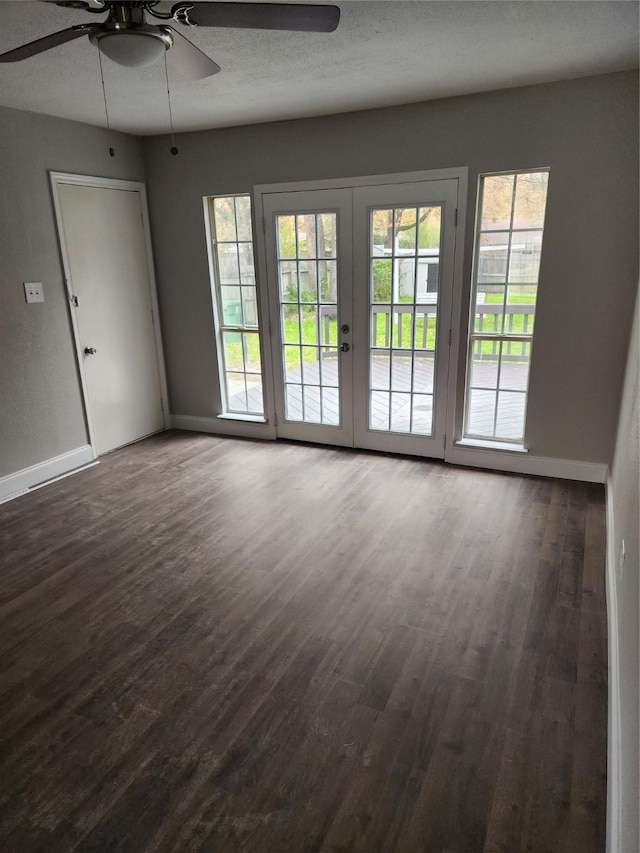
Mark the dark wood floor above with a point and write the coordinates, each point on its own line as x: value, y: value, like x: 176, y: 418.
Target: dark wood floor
x: 221, y: 645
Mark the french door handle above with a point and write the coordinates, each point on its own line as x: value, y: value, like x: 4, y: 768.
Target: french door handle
x: 344, y: 347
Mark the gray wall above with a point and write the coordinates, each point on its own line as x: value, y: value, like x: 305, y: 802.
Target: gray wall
x: 625, y: 482
x: 41, y: 413
x: 585, y: 130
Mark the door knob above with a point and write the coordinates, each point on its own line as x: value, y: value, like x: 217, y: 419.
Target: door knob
x: 90, y: 350
x: 344, y: 347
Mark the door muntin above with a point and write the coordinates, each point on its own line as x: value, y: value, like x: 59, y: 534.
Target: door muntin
x: 404, y: 282
x: 307, y: 258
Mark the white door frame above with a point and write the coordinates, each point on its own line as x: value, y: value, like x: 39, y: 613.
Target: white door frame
x: 61, y: 178
x: 461, y: 174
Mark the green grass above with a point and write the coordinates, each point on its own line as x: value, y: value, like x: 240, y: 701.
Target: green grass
x: 306, y: 334
x: 493, y: 323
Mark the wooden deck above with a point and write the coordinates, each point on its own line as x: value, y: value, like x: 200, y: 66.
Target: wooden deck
x: 312, y: 395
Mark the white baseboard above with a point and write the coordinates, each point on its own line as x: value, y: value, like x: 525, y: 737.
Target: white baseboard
x: 614, y: 745
x: 517, y: 462
x: 223, y: 426
x: 13, y: 485
x: 475, y: 457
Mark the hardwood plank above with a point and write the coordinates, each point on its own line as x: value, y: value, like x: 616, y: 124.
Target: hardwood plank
x: 210, y: 644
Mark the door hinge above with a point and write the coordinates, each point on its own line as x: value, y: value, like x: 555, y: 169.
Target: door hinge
x: 455, y: 221
x: 264, y: 225
x: 275, y: 419
x: 269, y: 326
x: 449, y: 337
x: 445, y: 441
x: 74, y: 301
x: 162, y: 406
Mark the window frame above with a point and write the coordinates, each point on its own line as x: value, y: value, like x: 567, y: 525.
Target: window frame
x: 503, y: 338
x: 220, y: 326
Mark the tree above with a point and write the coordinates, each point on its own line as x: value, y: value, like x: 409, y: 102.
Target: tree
x: 401, y: 220
x: 232, y: 218
x: 498, y: 199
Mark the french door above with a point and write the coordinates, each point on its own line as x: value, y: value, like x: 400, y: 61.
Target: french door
x: 309, y: 272
x: 360, y: 292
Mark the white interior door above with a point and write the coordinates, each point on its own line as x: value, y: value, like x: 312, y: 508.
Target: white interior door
x: 360, y: 292
x: 105, y: 251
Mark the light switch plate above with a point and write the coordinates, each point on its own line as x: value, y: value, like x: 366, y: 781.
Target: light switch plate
x: 33, y: 291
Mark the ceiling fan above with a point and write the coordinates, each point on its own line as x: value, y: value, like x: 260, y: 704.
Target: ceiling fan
x: 128, y: 39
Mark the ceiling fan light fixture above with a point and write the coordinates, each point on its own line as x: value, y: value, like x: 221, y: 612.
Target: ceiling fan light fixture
x: 134, y: 48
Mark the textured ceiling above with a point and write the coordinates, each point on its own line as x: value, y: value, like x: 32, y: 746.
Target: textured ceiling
x: 382, y: 53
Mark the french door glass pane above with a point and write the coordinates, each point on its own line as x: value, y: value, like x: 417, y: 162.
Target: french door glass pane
x: 404, y: 246
x: 308, y: 288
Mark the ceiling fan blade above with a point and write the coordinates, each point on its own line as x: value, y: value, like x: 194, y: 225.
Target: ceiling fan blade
x: 40, y: 45
x: 187, y: 61
x: 262, y: 16
x: 85, y: 5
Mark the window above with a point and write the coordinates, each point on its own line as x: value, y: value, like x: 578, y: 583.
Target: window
x: 236, y: 309
x: 508, y: 245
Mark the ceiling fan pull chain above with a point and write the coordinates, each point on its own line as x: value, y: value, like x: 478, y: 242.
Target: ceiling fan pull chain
x: 174, y: 150
x: 112, y: 153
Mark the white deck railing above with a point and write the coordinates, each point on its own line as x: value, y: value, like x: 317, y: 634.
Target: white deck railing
x: 487, y: 318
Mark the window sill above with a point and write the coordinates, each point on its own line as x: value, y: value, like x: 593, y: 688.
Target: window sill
x: 479, y: 444
x: 232, y: 416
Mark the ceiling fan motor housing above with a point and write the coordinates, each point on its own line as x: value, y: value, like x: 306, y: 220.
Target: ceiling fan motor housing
x: 137, y: 43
